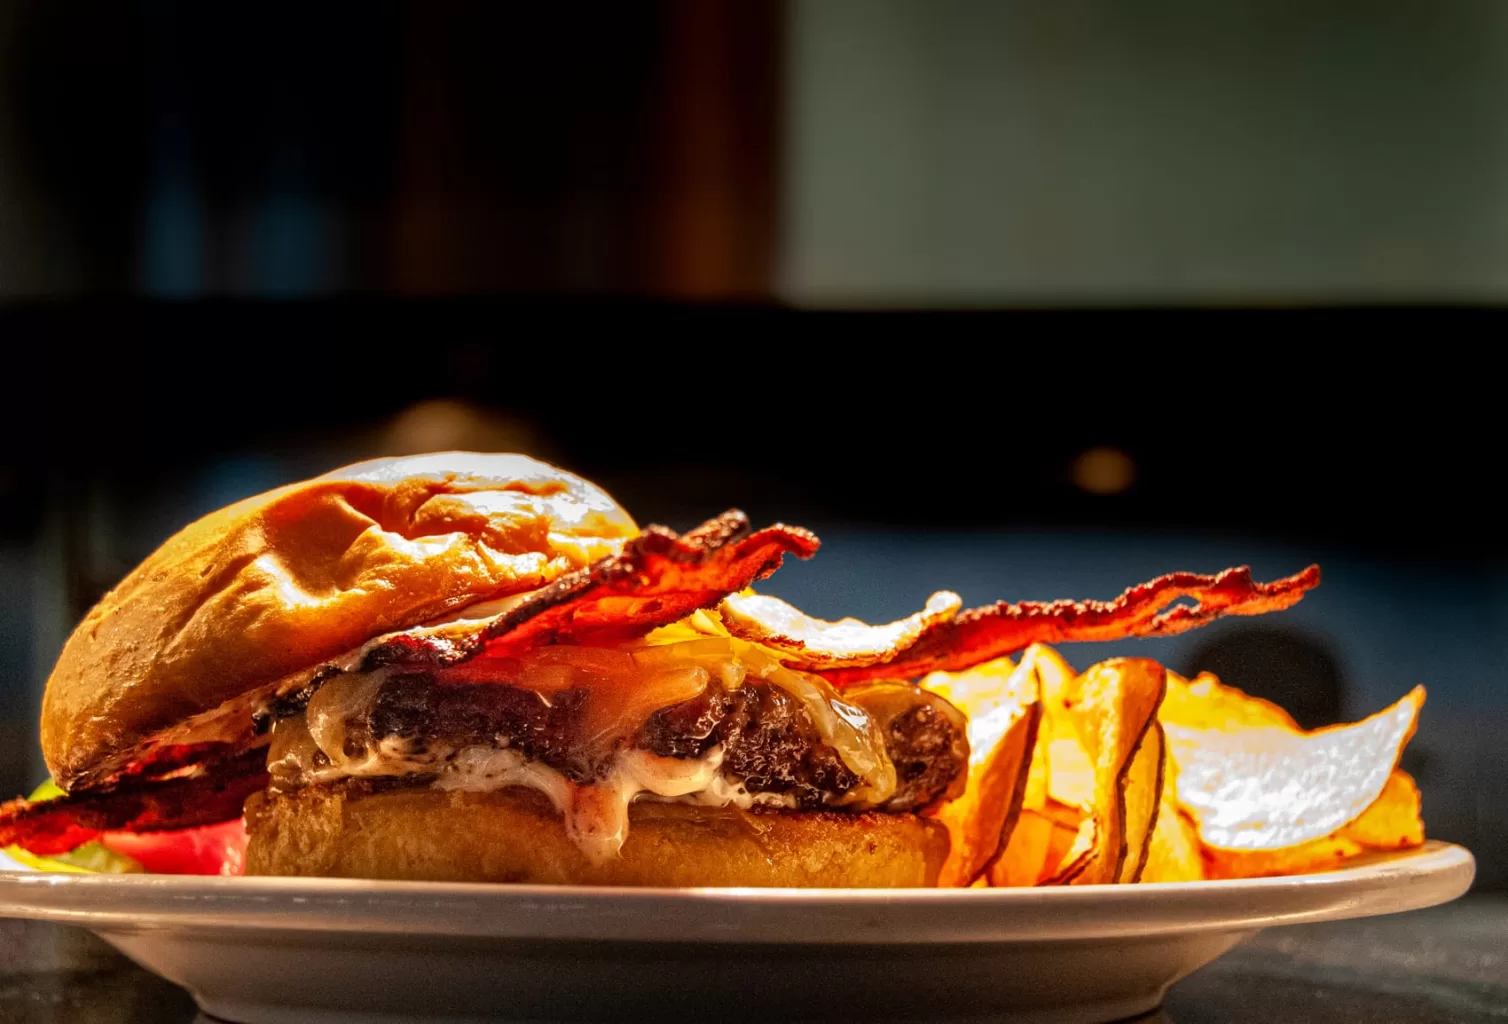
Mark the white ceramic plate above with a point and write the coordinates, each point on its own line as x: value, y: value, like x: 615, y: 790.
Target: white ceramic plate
x: 280, y: 950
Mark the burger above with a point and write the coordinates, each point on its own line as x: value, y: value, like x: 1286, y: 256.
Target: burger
x: 476, y: 667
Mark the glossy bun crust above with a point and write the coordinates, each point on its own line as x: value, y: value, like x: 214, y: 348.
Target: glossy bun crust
x: 282, y: 581
x: 345, y: 830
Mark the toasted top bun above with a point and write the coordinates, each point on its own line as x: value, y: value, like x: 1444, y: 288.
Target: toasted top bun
x: 282, y: 581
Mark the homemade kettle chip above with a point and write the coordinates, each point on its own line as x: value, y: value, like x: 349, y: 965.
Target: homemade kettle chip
x: 1175, y: 854
x: 1207, y: 703
x: 1004, y: 711
x: 1076, y: 857
x: 1066, y: 773
x: 1272, y: 787
x: 1045, y: 828
x: 1026, y: 856
x: 1392, y: 822
x: 1113, y: 706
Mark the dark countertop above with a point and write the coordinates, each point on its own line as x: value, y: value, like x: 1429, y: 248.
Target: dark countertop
x: 1446, y: 964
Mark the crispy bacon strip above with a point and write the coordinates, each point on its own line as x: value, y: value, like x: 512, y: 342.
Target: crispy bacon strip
x: 658, y: 578
x: 57, y: 826
x: 983, y: 634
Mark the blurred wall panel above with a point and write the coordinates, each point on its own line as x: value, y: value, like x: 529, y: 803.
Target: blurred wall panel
x: 521, y: 146
x: 716, y: 145
x: 969, y: 151
x: 447, y: 148
x: 588, y: 147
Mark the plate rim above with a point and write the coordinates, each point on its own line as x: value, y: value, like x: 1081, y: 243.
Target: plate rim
x: 1384, y: 883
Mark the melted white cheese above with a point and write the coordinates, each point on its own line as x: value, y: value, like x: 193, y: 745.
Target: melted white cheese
x: 596, y: 815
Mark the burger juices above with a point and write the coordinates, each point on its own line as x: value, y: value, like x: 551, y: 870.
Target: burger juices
x: 476, y: 667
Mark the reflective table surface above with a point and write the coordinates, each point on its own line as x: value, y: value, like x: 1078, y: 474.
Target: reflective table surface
x: 1445, y: 964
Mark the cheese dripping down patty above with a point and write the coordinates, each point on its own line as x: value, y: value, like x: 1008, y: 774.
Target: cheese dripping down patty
x: 608, y: 695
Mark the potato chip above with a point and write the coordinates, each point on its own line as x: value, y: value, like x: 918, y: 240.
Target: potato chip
x: 1004, y: 710
x: 1070, y: 774
x: 1175, y: 854
x: 1060, y: 841
x: 1316, y: 855
x: 1264, y: 788
x: 1069, y: 817
x: 1066, y: 770
x: 1037, y: 859
x: 1051, y: 825
x: 1113, y: 706
x: 1025, y: 858
x: 1392, y: 822
x: 1207, y: 703
x: 1076, y: 857
x: 1054, y: 675
x: 809, y: 643
x: 1143, y: 800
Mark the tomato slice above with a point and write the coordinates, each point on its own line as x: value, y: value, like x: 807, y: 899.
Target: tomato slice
x: 210, y: 850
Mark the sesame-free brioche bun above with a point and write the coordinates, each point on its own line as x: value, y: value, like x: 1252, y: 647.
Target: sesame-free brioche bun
x: 284, y: 580
x: 345, y: 830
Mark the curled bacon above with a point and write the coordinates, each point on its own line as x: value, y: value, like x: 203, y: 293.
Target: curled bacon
x: 658, y: 578
x: 215, y: 795
x: 983, y: 634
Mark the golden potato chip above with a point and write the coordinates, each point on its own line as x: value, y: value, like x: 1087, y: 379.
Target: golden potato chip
x: 1392, y: 822
x: 1039, y: 848
x: 1113, y: 706
x: 1175, y: 853
x: 1025, y: 859
x: 1143, y: 800
x: 1076, y: 858
x: 1264, y: 788
x: 808, y: 643
x: 1036, y: 779
x: 1060, y: 764
x: 1076, y: 777
x: 1060, y: 840
x: 1306, y: 858
x: 1001, y: 701
x: 1054, y: 675
x: 1207, y: 703
x: 1069, y: 817
x: 1070, y: 774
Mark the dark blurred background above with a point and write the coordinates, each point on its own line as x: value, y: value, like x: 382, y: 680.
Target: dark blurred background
x: 1026, y: 300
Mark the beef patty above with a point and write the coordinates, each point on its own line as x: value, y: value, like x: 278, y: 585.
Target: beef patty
x: 768, y: 739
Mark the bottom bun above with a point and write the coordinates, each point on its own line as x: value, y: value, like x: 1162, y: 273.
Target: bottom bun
x: 514, y: 835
